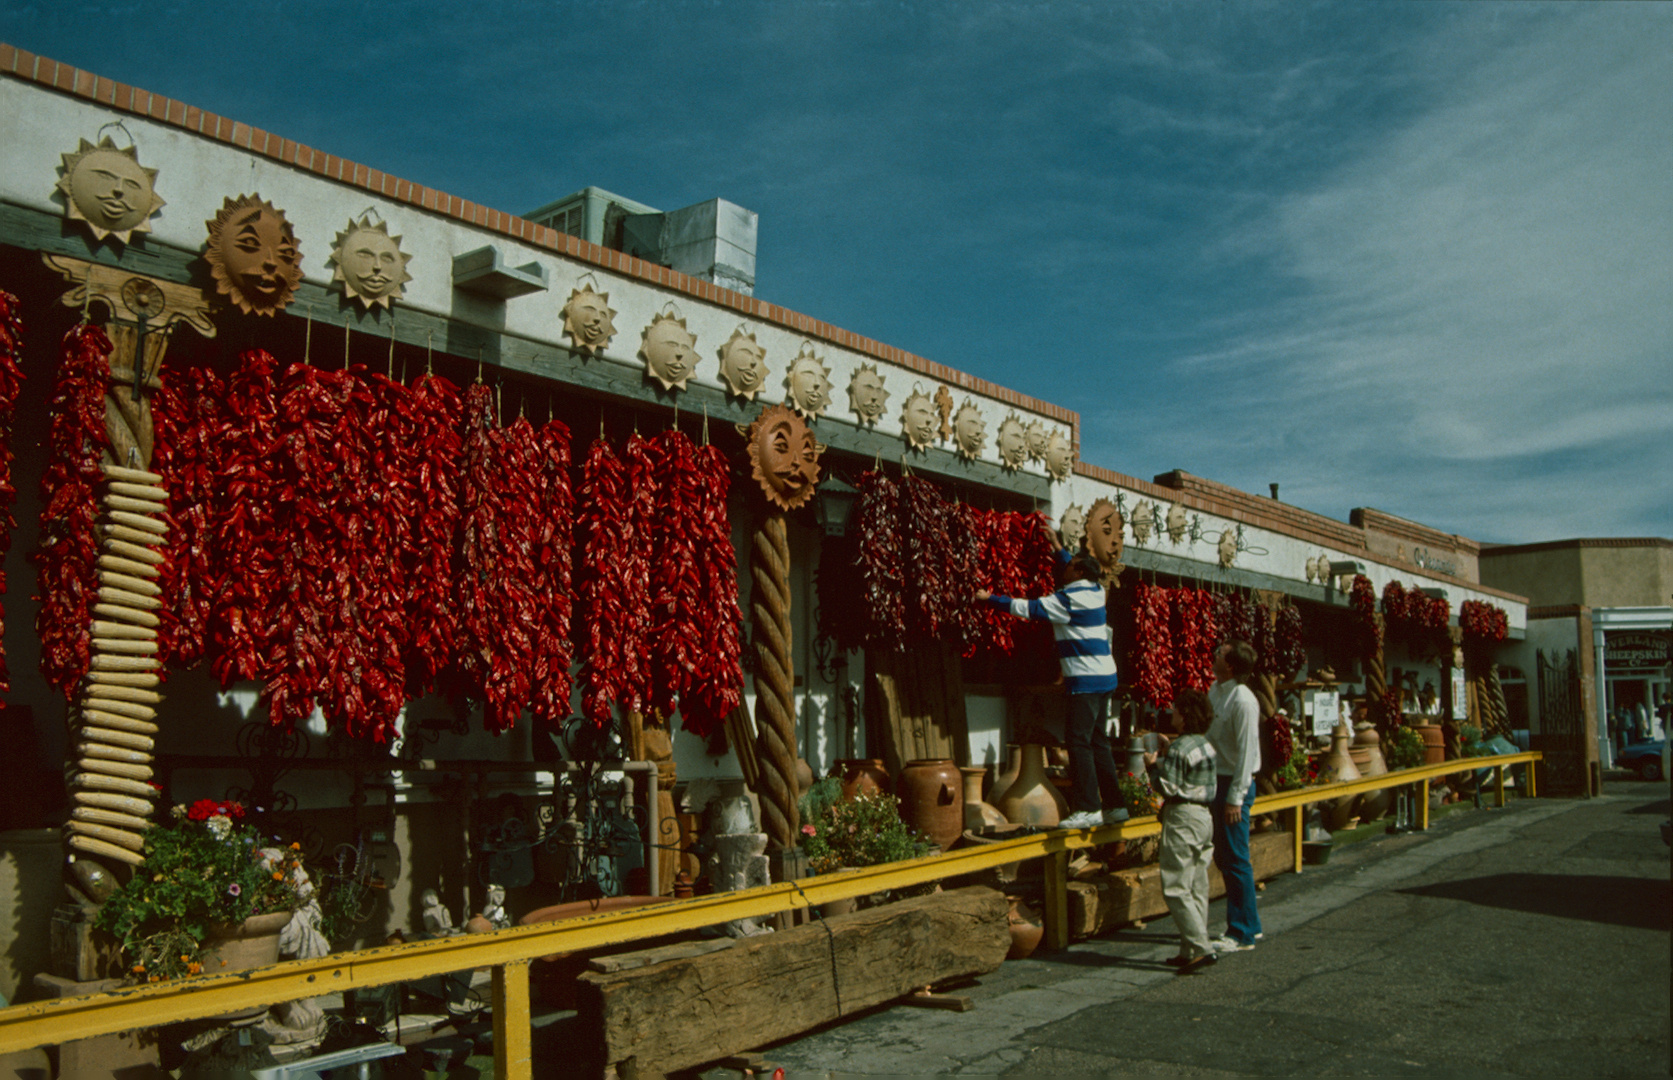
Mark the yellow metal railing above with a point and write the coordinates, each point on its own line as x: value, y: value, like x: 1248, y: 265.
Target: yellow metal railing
x: 508, y: 952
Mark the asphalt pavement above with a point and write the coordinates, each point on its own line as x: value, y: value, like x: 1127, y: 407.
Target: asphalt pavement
x: 1532, y: 940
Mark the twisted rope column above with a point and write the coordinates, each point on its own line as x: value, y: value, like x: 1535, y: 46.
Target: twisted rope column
x: 775, y: 707
x: 1376, y: 680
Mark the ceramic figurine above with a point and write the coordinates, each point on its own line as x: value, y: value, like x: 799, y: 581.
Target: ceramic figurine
x: 109, y: 190
x: 669, y: 351
x: 370, y: 264
x: 743, y: 365
x: 589, y: 320
x: 253, y: 255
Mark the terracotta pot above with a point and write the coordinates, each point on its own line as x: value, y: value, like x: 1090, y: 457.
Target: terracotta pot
x: 1032, y: 799
x: 1338, y: 766
x: 932, y: 800
x: 1026, y: 929
x: 1434, y: 743
x: 1368, y: 744
x: 250, y: 944
x: 1004, y: 777
x: 978, y: 815
x: 862, y: 776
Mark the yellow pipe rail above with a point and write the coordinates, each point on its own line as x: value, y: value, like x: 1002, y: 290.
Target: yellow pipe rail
x: 508, y: 952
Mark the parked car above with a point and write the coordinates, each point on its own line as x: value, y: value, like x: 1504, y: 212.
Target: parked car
x: 1645, y: 759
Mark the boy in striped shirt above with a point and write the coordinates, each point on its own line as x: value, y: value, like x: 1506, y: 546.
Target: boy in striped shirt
x: 1076, y: 612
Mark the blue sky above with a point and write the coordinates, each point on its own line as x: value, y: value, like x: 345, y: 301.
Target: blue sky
x: 1413, y: 256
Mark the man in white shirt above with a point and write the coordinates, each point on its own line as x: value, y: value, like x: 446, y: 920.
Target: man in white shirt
x: 1235, y: 735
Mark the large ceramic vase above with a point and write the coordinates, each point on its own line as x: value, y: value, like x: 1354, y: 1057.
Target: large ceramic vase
x: 862, y: 776
x: 1338, y: 767
x: 978, y: 815
x: 1005, y: 775
x: 1032, y: 799
x: 1367, y: 753
x: 1026, y: 928
x: 932, y: 800
x: 1434, y: 743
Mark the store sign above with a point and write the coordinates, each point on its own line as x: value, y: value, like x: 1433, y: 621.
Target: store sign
x: 1326, y: 709
x: 1427, y: 561
x: 1636, y: 650
x: 1460, y: 695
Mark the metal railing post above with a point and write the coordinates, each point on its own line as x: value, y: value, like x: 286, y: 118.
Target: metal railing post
x: 1297, y: 812
x: 1057, y: 900
x: 513, y: 1053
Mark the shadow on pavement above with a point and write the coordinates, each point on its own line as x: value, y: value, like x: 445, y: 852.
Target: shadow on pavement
x: 1619, y: 901
x: 1660, y: 807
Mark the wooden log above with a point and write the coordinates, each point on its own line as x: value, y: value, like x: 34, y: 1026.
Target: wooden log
x: 139, y: 491
x: 106, y: 800
x: 140, y: 522
x: 109, y: 834
x: 143, y: 679
x: 125, y: 646
x: 118, y: 784
x: 685, y: 1012
x: 100, y: 698
x: 129, y: 583
x: 106, y: 747
x: 92, y: 846
x: 107, y: 767
x: 106, y: 629
x: 109, y: 594
x: 130, y: 476
x: 110, y: 817
x: 118, y: 721
x: 136, y: 552
x: 107, y: 662
x: 1110, y: 901
x: 126, y: 614
x: 115, y: 502
x: 112, y: 532
x: 131, y: 567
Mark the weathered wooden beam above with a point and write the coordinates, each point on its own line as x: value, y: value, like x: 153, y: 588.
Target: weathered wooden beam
x: 693, y: 1010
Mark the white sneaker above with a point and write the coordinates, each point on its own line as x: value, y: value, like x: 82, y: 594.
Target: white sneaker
x: 1086, y: 819
x: 1229, y: 945
x: 1115, y: 816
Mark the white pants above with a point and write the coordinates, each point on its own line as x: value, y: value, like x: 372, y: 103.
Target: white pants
x: 1187, y: 849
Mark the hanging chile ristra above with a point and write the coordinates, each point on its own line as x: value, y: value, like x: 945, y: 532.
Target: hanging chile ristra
x: 673, y: 625
x: 554, y: 532
x: 603, y: 625
x: 437, y: 416
x: 191, y: 429
x: 11, y: 383
x: 881, y: 552
x: 1153, y: 644
x: 717, y: 679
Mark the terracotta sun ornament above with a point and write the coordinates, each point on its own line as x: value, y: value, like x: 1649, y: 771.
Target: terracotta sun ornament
x: 1071, y: 527
x: 109, y: 190
x: 783, y: 456
x: 1060, y: 456
x: 370, y: 264
x: 743, y: 365
x: 1012, y: 443
x: 1176, y: 523
x: 808, y: 383
x: 1105, y: 537
x: 1226, y: 549
x: 970, y: 431
x: 669, y: 351
x: 1035, y: 437
x: 918, y: 421
x: 589, y: 320
x: 866, y: 396
x: 253, y: 255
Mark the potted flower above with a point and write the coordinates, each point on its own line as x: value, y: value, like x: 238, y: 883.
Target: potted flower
x: 208, y: 897
x: 863, y: 831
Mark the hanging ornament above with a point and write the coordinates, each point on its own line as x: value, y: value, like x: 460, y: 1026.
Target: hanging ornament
x: 970, y: 431
x: 866, y: 396
x: 369, y: 263
x: 917, y: 419
x: 669, y: 351
x: 808, y: 383
x: 1071, y: 527
x: 108, y: 190
x: 1105, y: 538
x: 1012, y: 443
x: 1227, y: 548
x: 588, y: 319
x: 1141, y: 522
x: 784, y: 457
x: 1060, y: 456
x: 1176, y: 523
x: 743, y: 365
x: 1035, y: 437
x: 253, y: 255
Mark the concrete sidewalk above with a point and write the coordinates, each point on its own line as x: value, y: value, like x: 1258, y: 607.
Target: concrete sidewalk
x: 1528, y: 941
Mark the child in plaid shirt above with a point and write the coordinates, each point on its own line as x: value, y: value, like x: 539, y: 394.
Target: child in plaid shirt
x: 1185, y: 779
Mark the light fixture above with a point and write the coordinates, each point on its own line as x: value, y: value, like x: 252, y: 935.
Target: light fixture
x: 1344, y: 567
x: 835, y: 505
x: 1434, y: 593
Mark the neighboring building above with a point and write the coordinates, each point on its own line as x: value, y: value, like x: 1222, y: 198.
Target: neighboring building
x: 1603, y: 608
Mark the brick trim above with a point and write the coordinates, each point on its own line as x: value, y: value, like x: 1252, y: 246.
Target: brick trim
x: 1378, y: 521
x: 27, y: 66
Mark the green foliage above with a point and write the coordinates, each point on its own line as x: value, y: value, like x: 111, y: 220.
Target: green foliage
x: 1470, y: 743
x: 1141, y: 799
x: 1293, y: 773
x: 206, y: 869
x: 865, y: 831
x: 1403, y: 748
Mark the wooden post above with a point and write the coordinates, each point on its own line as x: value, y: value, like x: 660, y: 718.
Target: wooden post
x: 512, y: 1053
x: 1300, y: 815
x: 1528, y: 773
x: 1499, y: 786
x: 1423, y: 805
x: 1057, y: 901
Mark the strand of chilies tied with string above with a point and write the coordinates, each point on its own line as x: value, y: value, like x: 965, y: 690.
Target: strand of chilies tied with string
x: 656, y: 585
x: 11, y: 384
x: 1175, y: 633
x: 349, y: 541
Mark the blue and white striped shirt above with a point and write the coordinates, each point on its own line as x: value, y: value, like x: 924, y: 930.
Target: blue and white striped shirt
x: 1076, y: 613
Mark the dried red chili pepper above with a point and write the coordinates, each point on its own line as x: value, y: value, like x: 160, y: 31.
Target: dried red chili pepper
x: 11, y: 384
x: 1153, y: 644
x: 604, y: 534
x: 716, y: 684
x: 881, y: 551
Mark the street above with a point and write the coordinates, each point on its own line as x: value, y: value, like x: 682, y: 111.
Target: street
x: 1528, y: 941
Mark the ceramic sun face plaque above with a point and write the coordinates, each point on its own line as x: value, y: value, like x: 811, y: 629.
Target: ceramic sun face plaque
x: 1227, y: 548
x: 918, y: 420
x: 1141, y: 522
x: 808, y: 384
x: 1012, y: 443
x: 589, y: 320
x: 1176, y: 523
x: 970, y: 431
x: 1060, y: 456
x: 669, y: 351
x: 253, y: 255
x: 866, y: 396
x: 1105, y: 537
x: 1071, y: 527
x: 109, y: 190
x: 370, y: 264
x: 784, y: 457
x: 1035, y: 437
x: 743, y: 365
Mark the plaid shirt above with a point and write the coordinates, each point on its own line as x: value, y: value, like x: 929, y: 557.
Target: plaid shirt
x: 1186, y: 772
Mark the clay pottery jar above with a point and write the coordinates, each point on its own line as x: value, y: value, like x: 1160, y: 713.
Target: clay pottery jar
x: 1032, y: 799
x: 1004, y: 777
x: 978, y: 815
x: 1026, y: 929
x: 1368, y: 744
x: 862, y: 776
x: 1057, y: 757
x: 252, y: 943
x: 1338, y: 767
x: 1434, y: 743
x: 932, y: 800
